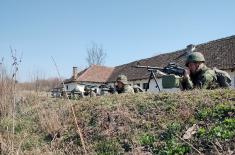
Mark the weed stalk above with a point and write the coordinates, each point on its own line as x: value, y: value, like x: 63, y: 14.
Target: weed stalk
x: 73, y: 111
x: 15, y: 68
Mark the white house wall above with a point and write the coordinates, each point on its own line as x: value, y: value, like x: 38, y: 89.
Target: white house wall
x: 138, y: 82
x: 72, y: 86
x: 152, y: 85
x: 153, y: 88
x: 232, y: 74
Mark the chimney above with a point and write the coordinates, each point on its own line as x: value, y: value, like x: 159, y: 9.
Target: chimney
x: 190, y: 48
x: 75, y: 72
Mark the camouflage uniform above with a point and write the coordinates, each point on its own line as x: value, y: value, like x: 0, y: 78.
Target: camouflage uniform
x: 126, y: 88
x: 89, y: 92
x: 204, y: 77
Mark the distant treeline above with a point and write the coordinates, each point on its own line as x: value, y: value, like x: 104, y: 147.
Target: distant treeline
x: 40, y: 84
x: 36, y: 84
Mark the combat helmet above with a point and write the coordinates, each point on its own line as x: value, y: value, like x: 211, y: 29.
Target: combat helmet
x: 122, y: 78
x: 194, y: 57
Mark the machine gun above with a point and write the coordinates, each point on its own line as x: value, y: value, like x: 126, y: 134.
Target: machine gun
x: 104, y: 89
x: 171, y: 68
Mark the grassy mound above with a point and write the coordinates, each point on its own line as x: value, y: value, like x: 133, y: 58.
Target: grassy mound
x: 190, y: 122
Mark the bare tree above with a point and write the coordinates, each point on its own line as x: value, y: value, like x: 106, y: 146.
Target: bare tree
x: 95, y: 55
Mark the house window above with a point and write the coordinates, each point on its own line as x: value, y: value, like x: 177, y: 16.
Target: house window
x: 145, y: 86
x: 67, y: 87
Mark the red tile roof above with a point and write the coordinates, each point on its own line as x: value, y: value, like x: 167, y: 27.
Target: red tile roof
x: 94, y: 73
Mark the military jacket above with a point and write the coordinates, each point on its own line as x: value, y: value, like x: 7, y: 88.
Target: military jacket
x: 205, y: 78
x: 126, y: 89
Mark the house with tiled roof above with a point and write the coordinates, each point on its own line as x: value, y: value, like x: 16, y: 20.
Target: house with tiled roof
x: 218, y: 53
x: 94, y: 75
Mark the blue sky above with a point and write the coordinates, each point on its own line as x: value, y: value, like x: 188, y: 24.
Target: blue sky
x: 128, y: 30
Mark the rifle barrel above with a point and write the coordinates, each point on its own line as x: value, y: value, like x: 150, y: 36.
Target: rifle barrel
x: 149, y: 67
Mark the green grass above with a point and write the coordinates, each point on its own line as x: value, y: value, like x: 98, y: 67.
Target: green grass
x: 125, y: 124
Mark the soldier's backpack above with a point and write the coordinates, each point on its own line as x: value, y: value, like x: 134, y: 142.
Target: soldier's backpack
x: 223, y: 78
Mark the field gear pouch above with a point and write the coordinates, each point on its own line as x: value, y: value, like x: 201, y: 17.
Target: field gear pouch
x: 223, y: 78
x: 170, y: 81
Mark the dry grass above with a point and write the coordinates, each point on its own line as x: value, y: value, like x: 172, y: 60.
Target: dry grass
x: 119, y: 124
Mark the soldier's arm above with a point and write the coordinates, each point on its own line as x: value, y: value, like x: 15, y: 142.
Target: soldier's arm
x: 128, y: 89
x: 207, y: 80
x: 186, y: 84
